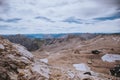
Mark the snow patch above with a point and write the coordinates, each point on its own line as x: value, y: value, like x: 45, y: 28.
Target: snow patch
x: 44, y: 60
x: 110, y: 57
x: 81, y: 67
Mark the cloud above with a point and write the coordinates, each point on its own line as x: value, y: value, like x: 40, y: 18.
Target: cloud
x: 73, y: 20
x: 1, y: 2
x: 4, y: 27
x: 112, y: 17
x: 44, y: 18
x: 63, y: 16
x: 7, y: 29
x: 110, y: 2
x: 13, y: 20
x: 4, y: 7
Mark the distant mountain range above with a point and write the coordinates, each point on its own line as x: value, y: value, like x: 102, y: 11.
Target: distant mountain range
x: 46, y: 36
x: 62, y: 35
x: 35, y: 41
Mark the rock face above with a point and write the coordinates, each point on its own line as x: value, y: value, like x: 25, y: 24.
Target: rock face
x: 16, y: 63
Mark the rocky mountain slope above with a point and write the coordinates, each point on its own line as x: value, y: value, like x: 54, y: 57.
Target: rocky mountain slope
x: 71, y: 60
x: 78, y: 55
x: 16, y: 63
x: 30, y: 44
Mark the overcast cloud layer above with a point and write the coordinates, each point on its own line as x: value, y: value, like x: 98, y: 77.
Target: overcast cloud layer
x: 59, y: 16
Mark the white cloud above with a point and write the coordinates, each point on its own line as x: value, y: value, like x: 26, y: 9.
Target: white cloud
x: 57, y: 11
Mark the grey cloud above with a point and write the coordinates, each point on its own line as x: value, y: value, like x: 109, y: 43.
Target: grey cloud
x: 1, y: 19
x: 1, y: 2
x: 110, y: 2
x: 72, y: 20
x: 7, y: 27
x: 13, y: 20
x: 44, y: 18
x: 112, y: 17
x: 4, y: 6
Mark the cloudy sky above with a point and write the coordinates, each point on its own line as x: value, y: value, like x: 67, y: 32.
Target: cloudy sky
x: 59, y: 16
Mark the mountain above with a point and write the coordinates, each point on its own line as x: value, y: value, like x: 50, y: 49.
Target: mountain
x: 16, y: 63
x: 29, y: 43
x: 77, y: 52
x: 34, y: 41
x: 62, y: 35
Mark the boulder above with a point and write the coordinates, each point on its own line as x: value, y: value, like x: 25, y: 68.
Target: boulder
x: 95, y: 52
x: 88, y: 73
x: 115, y: 71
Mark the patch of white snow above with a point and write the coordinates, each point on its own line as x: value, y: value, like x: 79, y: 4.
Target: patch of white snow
x: 81, y: 67
x: 110, y: 57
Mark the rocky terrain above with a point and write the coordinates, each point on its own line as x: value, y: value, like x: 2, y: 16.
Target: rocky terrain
x: 16, y: 63
x: 81, y: 55
x: 75, y: 59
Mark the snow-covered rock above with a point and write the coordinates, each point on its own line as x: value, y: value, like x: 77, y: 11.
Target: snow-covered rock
x: 81, y: 67
x: 111, y: 57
